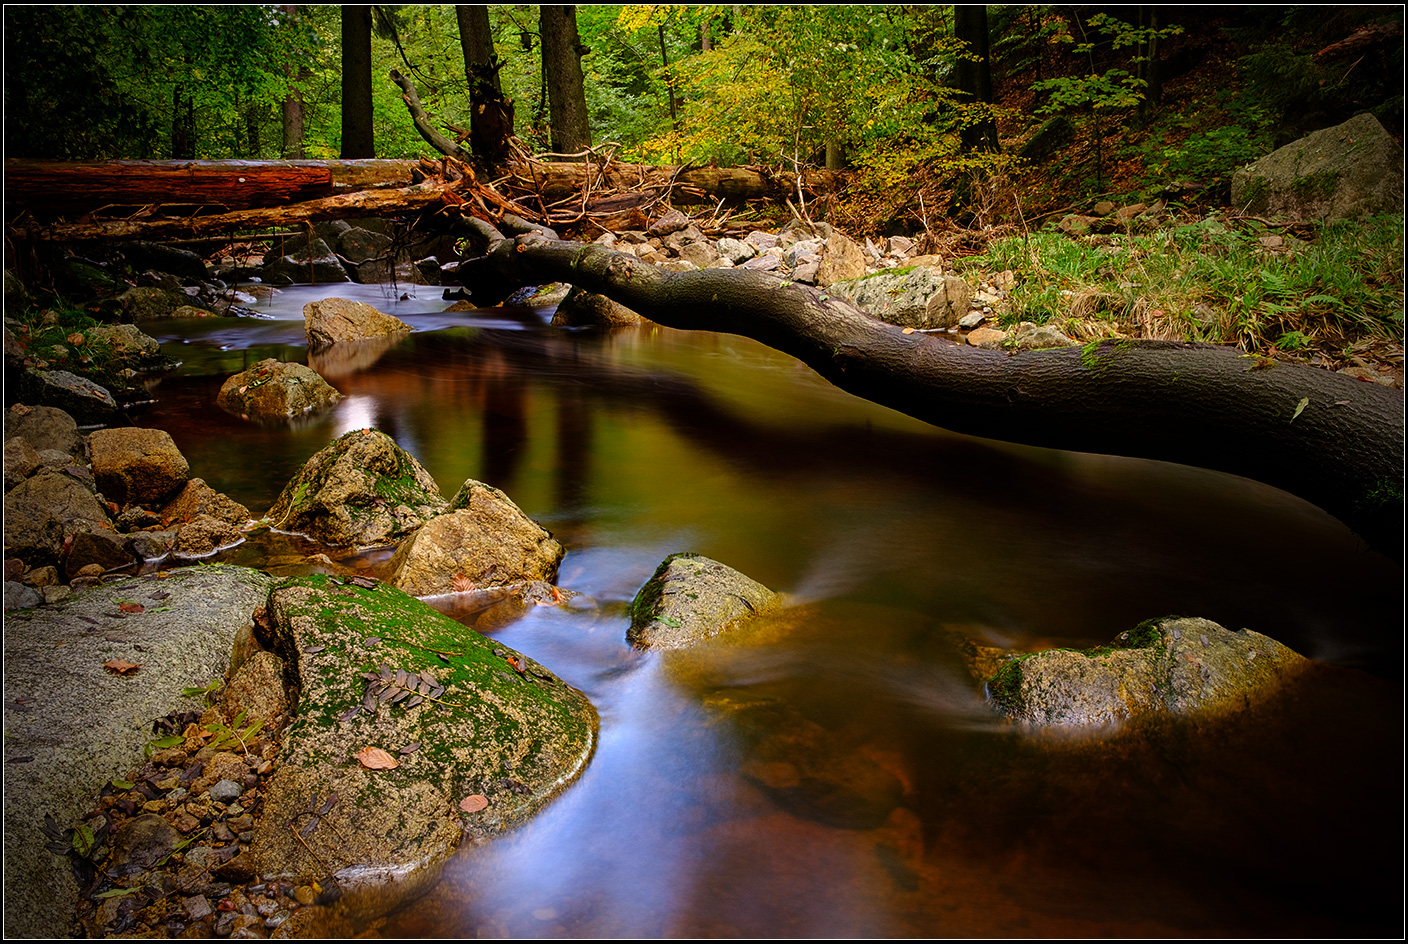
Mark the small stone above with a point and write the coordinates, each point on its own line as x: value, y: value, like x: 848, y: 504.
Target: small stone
x: 184, y: 821
x: 304, y: 894
x: 196, y: 907
x: 226, y: 791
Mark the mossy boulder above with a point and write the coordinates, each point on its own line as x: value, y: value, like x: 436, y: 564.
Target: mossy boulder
x: 361, y: 490
x: 1162, y: 668
x: 483, y: 538
x: 273, y: 391
x: 1351, y: 170
x: 480, y: 736
x: 691, y: 598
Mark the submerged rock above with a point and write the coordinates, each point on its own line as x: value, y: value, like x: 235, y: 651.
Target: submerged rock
x: 1174, y: 666
x: 411, y: 730
x: 332, y: 320
x: 482, y: 540
x: 690, y: 598
x: 273, y: 391
x: 360, y: 490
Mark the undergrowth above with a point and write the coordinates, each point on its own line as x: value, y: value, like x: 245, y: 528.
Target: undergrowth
x: 1225, y: 280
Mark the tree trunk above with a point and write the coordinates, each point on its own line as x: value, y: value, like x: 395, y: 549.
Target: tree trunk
x: 357, y: 83
x: 291, y: 108
x: 1332, y: 440
x: 183, y: 125
x: 970, y: 26
x: 491, y: 114
x: 562, y: 74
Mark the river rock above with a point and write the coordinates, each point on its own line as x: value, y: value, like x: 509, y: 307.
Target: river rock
x: 46, y: 427
x: 203, y: 535
x: 83, y: 725
x: 672, y: 222
x: 146, y: 303
x: 273, y: 391
x: 841, y: 261
x: 358, y: 245
x: 21, y: 461
x: 43, y: 510
x: 1351, y: 170
x: 257, y: 690
x: 581, y: 308
x: 490, y: 736
x: 136, y: 466
x: 735, y: 250
x: 482, y: 538
x: 991, y: 339
x: 690, y: 598
x: 1174, y: 666
x: 915, y: 297
x: 197, y: 499
x: 338, y: 319
x: 130, y: 347
x: 87, y: 402
x: 188, y: 267
x: 360, y: 490
x: 314, y: 262
x: 1033, y: 337
x: 102, y: 547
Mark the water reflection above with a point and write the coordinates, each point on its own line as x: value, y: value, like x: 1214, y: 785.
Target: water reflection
x: 839, y: 774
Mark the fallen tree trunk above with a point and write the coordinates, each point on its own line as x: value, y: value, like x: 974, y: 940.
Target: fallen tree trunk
x: 348, y: 206
x: 49, y: 188
x: 1329, y: 439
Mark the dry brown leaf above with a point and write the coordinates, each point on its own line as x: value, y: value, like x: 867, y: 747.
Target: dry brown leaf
x: 122, y: 666
x: 132, y: 608
x: 461, y: 584
x: 474, y: 803
x: 75, y: 338
x: 374, y: 758
x: 907, y: 331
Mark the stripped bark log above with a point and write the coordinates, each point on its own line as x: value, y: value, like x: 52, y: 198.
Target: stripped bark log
x: 1329, y: 439
x: 49, y: 188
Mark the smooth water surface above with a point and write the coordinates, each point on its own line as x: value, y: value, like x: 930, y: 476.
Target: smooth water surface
x: 839, y: 774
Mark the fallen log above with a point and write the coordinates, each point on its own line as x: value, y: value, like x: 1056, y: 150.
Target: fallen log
x: 365, y: 203
x: 50, y: 189
x: 1323, y: 436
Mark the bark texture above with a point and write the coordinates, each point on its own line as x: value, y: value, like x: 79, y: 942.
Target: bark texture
x: 491, y: 114
x: 357, y: 139
x: 1332, y: 440
x: 562, y: 74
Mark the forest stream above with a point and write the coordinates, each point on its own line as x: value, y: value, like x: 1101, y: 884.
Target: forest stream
x: 893, y: 539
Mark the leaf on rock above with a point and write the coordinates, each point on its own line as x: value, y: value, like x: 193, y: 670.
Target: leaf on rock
x: 461, y: 584
x: 122, y: 666
x: 374, y: 758
x: 132, y: 608
x: 474, y: 803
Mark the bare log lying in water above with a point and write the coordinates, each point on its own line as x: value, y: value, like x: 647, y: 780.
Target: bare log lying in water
x: 1332, y: 440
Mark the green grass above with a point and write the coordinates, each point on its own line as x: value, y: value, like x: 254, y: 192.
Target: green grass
x: 1211, y: 279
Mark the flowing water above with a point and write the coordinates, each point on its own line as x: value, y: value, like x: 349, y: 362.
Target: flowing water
x: 840, y: 775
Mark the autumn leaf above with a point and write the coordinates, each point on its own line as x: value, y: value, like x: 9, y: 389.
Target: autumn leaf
x: 122, y: 666
x: 474, y: 803
x: 75, y: 338
x: 374, y: 758
x: 907, y: 331
x: 461, y: 584
x: 132, y: 608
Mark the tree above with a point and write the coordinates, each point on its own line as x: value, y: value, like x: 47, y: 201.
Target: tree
x: 491, y: 113
x: 291, y: 108
x: 1333, y: 440
x: 562, y: 76
x: 974, y: 75
x: 357, y: 138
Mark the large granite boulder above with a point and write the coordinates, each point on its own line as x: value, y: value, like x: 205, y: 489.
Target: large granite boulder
x: 332, y: 320
x: 83, y: 399
x: 690, y: 598
x: 135, y: 466
x: 411, y: 730
x: 482, y: 540
x: 1351, y: 170
x: 361, y: 490
x: 79, y: 725
x: 46, y: 427
x: 915, y: 297
x: 1162, y: 668
x: 131, y: 348
x: 274, y: 391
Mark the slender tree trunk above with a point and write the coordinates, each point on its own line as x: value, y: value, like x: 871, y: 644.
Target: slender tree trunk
x: 669, y: 81
x: 562, y: 74
x: 1332, y: 440
x: 183, y: 125
x: 291, y: 108
x: 491, y: 114
x: 970, y: 26
x: 357, y: 83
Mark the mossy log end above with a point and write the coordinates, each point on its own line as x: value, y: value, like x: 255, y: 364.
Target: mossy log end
x: 1330, y: 439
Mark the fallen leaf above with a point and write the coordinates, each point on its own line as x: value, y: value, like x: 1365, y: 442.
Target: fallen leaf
x: 461, y: 584
x: 374, y: 758
x: 907, y: 331
x: 75, y: 338
x: 122, y: 666
x: 132, y: 608
x: 1304, y: 402
x: 474, y: 803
